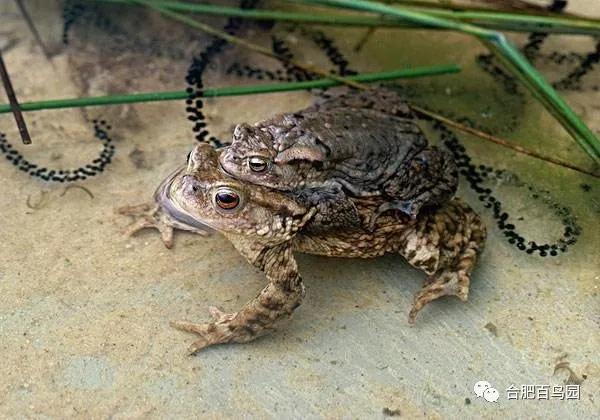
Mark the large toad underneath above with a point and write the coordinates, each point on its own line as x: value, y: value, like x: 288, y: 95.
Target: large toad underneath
x: 266, y: 226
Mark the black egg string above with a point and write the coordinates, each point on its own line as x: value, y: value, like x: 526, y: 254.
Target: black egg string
x: 279, y: 47
x: 289, y: 73
x: 94, y: 168
x: 327, y: 45
x: 535, y: 39
x: 586, y: 64
x: 250, y: 72
x: 200, y: 63
x: 476, y: 176
x: 72, y: 11
x: 534, y: 43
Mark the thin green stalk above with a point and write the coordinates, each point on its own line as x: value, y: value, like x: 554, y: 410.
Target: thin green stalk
x: 524, y: 22
x: 230, y: 91
x: 262, y: 14
x: 494, y: 20
x: 560, y: 117
x: 494, y: 6
x: 501, y: 47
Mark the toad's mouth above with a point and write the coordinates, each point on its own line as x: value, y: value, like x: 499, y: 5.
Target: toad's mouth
x: 172, y: 207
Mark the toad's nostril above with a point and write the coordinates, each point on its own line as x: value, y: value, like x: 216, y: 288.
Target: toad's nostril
x: 191, y: 185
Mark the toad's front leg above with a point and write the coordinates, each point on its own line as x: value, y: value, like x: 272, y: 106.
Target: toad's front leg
x: 429, y: 179
x: 276, y: 301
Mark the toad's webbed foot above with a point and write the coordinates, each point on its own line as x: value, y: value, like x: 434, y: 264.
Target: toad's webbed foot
x: 445, y: 284
x: 220, y: 331
x: 152, y: 215
x: 147, y: 215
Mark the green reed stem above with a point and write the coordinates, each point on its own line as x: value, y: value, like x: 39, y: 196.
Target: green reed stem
x: 519, y: 22
x: 501, y: 48
x: 231, y: 91
x: 495, y: 20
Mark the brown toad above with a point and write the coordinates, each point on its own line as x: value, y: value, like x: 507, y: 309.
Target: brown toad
x: 360, y: 144
x: 266, y: 226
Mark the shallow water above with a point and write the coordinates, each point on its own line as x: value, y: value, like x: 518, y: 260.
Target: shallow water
x: 84, y: 310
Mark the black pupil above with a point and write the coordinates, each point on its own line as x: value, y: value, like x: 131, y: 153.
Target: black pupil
x: 422, y: 162
x: 257, y: 165
x: 227, y: 200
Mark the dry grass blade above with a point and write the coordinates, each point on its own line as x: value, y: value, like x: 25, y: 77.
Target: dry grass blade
x: 502, y: 142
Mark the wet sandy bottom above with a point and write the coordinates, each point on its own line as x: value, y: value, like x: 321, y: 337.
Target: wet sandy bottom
x: 84, y: 310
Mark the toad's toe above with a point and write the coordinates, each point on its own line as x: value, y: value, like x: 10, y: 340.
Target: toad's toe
x: 445, y: 284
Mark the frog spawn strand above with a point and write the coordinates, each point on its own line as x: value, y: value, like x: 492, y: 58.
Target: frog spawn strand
x: 476, y: 176
x: 64, y: 175
x: 200, y: 63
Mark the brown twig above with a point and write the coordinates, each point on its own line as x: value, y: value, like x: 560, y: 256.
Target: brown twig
x: 363, y: 39
x: 518, y: 5
x: 8, y: 45
x: 502, y: 142
x: 488, y: 6
x: 14, y: 104
x: 32, y: 27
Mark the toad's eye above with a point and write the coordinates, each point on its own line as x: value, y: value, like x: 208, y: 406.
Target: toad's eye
x: 258, y: 164
x: 227, y: 199
x: 421, y: 162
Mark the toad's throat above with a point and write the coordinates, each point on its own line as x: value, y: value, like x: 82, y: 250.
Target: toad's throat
x: 171, y: 206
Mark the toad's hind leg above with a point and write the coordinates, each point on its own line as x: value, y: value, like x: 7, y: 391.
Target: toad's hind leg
x: 445, y: 244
